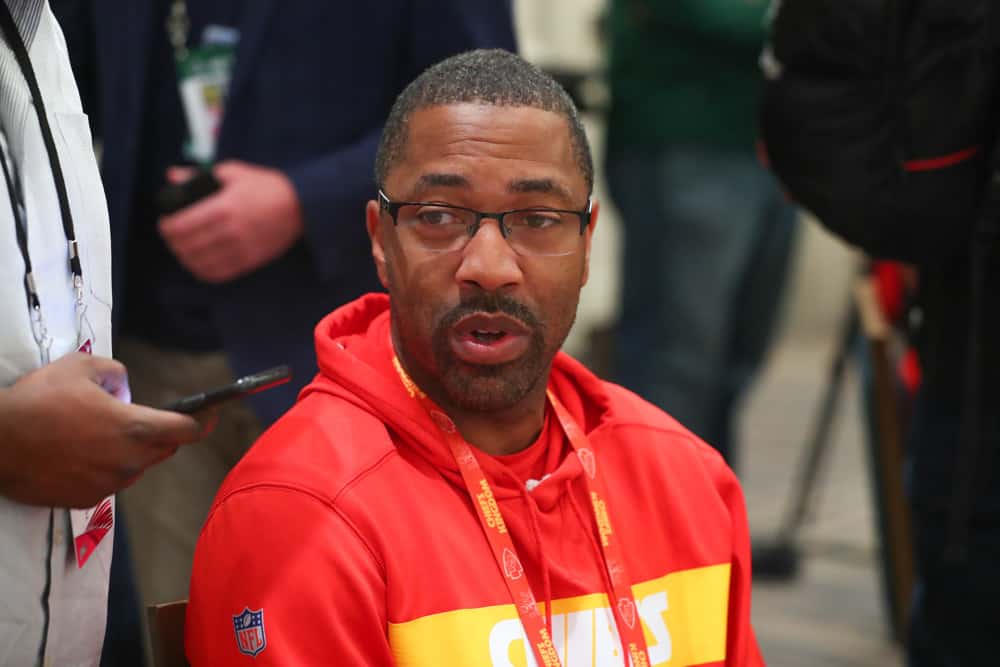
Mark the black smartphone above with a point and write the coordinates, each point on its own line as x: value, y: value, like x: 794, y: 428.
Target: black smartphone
x: 175, y: 196
x: 250, y: 384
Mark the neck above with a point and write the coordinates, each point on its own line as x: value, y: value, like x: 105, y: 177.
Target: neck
x: 504, y: 432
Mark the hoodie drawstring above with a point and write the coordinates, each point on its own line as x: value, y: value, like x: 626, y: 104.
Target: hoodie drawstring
x: 537, y: 533
x: 609, y: 588
x: 584, y: 520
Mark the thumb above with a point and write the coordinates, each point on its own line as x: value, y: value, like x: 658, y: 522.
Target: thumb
x: 232, y: 170
x: 112, y: 377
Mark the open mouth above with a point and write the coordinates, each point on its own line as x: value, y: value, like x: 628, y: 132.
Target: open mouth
x: 489, y: 338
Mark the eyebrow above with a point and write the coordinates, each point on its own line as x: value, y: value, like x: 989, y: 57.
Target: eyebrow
x: 438, y: 180
x: 542, y: 185
x: 520, y: 186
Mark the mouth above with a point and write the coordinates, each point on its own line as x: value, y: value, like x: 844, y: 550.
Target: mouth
x: 489, y: 339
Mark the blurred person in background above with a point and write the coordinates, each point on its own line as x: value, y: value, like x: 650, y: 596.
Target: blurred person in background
x: 283, y: 104
x: 953, y: 620
x: 909, y: 91
x: 68, y: 437
x: 707, y: 232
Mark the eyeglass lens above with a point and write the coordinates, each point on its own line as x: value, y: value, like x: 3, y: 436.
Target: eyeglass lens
x: 529, y: 232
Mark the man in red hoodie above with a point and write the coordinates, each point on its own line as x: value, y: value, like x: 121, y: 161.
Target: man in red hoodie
x: 451, y: 489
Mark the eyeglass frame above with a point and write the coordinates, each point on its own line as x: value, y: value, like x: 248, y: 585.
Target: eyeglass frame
x: 392, y: 208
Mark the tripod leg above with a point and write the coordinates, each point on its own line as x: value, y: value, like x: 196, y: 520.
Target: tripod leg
x: 779, y: 559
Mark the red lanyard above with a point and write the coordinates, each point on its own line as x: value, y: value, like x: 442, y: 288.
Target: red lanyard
x: 490, y: 518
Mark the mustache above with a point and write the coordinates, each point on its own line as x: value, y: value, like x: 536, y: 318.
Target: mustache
x: 486, y: 302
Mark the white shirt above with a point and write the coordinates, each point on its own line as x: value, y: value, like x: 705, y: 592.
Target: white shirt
x: 36, y: 543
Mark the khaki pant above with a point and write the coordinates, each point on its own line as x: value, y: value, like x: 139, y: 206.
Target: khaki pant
x: 166, y: 508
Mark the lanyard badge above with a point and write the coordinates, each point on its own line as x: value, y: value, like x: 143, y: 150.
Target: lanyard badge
x: 623, y: 606
x: 203, y: 76
x: 90, y: 527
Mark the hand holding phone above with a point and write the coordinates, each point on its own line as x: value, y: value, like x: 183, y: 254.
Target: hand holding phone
x: 175, y: 196
x: 67, y: 420
x: 250, y: 384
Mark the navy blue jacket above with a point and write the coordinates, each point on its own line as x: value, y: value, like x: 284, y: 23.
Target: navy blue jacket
x: 313, y: 83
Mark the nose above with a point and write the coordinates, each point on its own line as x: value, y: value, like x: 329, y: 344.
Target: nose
x: 488, y: 261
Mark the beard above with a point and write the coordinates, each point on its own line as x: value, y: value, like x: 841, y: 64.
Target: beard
x: 490, y: 388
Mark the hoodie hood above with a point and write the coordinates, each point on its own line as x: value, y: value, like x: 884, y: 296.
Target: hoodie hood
x: 355, y: 355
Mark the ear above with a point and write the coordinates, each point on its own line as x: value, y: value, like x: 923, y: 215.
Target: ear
x: 589, y: 233
x: 373, y: 220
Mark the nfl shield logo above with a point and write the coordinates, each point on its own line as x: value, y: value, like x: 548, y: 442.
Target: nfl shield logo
x: 249, y: 628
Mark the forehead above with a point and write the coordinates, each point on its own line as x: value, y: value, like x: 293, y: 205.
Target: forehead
x: 489, y: 146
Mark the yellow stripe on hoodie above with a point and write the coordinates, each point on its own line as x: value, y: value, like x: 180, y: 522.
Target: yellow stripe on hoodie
x: 683, y: 614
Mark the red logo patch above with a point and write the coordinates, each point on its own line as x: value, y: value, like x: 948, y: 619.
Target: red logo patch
x: 528, y: 605
x: 511, y: 565
x: 627, y: 609
x: 588, y: 462
x: 443, y: 421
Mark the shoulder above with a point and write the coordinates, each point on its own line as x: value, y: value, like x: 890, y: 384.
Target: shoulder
x: 643, y: 441
x: 616, y: 417
x: 630, y: 408
x: 319, y: 448
x: 280, y: 546
x: 638, y: 422
x: 289, y: 486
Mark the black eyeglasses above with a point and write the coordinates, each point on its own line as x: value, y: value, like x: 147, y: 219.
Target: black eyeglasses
x: 435, y: 227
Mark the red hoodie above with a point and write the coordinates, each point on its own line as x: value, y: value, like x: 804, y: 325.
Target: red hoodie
x: 347, y: 537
